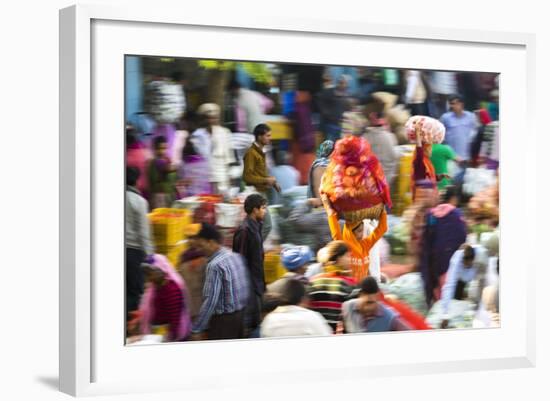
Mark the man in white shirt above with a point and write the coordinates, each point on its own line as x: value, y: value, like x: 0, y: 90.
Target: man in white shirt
x: 467, y: 265
x: 382, y: 142
x: 292, y: 318
x: 213, y: 143
x: 249, y: 101
x: 138, y: 239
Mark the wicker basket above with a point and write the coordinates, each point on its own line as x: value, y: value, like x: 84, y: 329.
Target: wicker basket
x: 362, y: 214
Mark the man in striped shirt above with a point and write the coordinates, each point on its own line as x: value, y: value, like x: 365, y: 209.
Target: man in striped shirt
x: 226, y: 289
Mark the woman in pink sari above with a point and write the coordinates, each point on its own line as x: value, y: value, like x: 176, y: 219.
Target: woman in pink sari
x: 138, y: 156
x: 165, y: 301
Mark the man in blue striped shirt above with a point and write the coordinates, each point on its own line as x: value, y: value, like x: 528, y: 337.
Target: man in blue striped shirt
x: 226, y: 289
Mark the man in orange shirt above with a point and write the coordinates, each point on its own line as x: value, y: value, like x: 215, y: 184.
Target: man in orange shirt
x: 352, y: 235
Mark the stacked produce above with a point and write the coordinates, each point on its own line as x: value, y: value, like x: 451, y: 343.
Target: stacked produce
x: 354, y: 181
x: 461, y: 314
x: 164, y: 100
x: 408, y: 288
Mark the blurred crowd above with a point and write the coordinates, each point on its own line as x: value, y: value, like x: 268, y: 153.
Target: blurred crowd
x: 228, y: 235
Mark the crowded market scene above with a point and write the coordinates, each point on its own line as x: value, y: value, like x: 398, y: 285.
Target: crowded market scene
x: 268, y: 200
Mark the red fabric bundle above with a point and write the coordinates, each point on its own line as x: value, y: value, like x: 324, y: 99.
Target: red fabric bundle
x: 415, y: 320
x: 354, y: 180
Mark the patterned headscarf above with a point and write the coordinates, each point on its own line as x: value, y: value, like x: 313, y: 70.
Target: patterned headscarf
x: 322, y: 160
x: 325, y: 149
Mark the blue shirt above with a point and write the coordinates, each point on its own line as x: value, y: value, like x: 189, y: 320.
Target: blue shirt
x: 459, y: 131
x: 287, y: 176
x: 384, y: 319
x: 226, y: 287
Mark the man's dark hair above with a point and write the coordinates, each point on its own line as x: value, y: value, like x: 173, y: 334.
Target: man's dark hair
x: 132, y: 176
x: 369, y: 286
x: 254, y: 201
x: 177, y: 76
x: 469, y: 253
x: 189, y: 149
x: 293, y: 292
x: 335, y: 250
x: 209, y: 232
x: 451, y: 191
x: 270, y: 302
x: 233, y: 85
x: 261, y: 129
x: 456, y: 96
x: 158, y: 140
x: 130, y: 135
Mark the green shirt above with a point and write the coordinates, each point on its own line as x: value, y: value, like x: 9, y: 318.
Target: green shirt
x: 441, y: 155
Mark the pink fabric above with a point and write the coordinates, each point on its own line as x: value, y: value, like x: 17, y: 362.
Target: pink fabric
x: 169, y: 132
x: 138, y: 156
x: 394, y: 271
x: 442, y: 210
x: 146, y: 307
x: 266, y: 104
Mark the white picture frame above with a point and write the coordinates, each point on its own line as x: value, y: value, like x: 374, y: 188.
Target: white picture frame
x: 90, y: 43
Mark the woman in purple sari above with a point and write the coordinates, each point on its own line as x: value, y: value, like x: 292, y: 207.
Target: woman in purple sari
x: 193, y: 173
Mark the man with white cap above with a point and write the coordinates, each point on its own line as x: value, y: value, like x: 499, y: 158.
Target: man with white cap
x: 212, y: 142
x: 295, y: 259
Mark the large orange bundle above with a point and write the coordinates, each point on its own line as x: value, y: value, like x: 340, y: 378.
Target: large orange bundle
x: 354, y: 181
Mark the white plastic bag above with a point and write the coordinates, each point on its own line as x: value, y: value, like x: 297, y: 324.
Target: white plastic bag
x: 374, y: 254
x: 229, y: 214
x: 478, y: 179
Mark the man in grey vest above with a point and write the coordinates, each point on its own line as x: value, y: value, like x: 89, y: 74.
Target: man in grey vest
x: 366, y: 315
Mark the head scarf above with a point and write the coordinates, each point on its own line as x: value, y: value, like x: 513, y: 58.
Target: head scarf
x: 295, y: 257
x: 322, y: 160
x: 147, y: 301
x: 209, y: 109
x: 324, y: 151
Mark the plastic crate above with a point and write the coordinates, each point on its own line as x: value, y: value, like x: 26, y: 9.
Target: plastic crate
x: 168, y: 224
x: 175, y: 252
x: 273, y: 268
x: 402, y: 197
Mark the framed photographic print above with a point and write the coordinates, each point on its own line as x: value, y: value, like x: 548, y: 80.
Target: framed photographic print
x: 189, y: 150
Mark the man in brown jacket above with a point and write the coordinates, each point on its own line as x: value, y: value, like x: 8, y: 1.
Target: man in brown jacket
x: 255, y: 169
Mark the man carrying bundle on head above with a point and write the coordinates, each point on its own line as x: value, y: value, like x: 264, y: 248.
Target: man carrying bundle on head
x: 354, y: 186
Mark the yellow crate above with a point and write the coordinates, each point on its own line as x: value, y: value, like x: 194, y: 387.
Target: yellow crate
x: 168, y: 225
x: 273, y: 268
x: 280, y: 130
x: 174, y: 254
x: 402, y: 197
